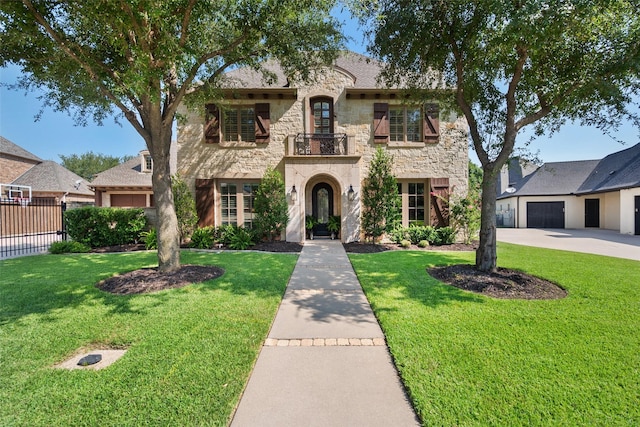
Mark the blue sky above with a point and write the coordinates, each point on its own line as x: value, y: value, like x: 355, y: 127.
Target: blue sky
x: 56, y: 133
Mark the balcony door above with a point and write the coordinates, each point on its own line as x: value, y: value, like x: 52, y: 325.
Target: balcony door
x: 322, y: 115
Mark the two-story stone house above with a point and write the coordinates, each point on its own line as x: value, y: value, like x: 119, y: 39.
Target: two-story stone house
x: 321, y: 136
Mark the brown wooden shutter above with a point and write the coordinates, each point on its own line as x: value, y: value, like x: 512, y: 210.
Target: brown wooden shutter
x: 439, y: 208
x: 431, y: 123
x: 205, y: 202
x: 381, y: 123
x: 211, y: 124
x: 263, y: 123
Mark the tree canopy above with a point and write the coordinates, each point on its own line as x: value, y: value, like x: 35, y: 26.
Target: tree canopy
x: 140, y: 58
x: 87, y: 165
x: 506, y: 65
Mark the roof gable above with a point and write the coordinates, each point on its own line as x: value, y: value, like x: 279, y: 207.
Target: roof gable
x: 127, y: 174
x: 616, y: 171
x: 8, y: 147
x: 50, y: 176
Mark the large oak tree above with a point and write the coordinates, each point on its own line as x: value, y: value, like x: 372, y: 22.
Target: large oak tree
x: 509, y: 64
x: 141, y: 58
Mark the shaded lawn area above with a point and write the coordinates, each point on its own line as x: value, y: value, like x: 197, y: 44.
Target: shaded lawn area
x: 190, y: 350
x: 472, y: 360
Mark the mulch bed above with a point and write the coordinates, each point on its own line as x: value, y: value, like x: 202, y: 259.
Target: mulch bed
x: 504, y: 283
x: 151, y: 280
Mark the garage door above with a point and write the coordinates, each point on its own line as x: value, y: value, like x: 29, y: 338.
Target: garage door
x: 129, y: 200
x: 545, y: 214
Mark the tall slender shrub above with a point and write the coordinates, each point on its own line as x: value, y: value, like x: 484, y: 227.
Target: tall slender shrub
x: 270, y: 204
x: 380, y: 200
x: 185, y: 206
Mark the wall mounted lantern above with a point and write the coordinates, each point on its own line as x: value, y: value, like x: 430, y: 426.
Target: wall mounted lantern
x: 351, y: 195
x: 294, y: 194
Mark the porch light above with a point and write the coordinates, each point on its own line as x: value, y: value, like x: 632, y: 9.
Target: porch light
x: 294, y: 194
x: 351, y: 194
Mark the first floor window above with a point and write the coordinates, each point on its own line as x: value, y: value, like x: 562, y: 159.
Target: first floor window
x: 415, y: 205
x: 239, y: 124
x: 237, y: 201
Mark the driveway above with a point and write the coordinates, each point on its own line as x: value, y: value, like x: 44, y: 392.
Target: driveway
x: 599, y: 242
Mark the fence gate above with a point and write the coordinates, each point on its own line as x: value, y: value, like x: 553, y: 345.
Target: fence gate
x: 30, y: 226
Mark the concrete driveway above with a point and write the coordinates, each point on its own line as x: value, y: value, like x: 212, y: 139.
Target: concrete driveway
x: 599, y: 242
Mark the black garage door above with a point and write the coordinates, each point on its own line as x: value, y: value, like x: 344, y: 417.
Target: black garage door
x: 545, y: 214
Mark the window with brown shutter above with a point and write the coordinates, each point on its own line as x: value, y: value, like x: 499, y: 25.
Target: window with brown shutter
x: 381, y: 123
x: 211, y: 124
x: 205, y: 202
x: 263, y: 123
x: 431, y: 123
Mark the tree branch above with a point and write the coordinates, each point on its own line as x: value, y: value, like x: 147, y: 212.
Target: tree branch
x: 185, y: 23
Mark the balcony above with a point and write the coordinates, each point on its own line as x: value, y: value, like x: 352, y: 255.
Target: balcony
x: 319, y: 144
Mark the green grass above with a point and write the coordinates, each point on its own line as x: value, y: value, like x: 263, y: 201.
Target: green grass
x: 472, y: 360
x: 190, y: 350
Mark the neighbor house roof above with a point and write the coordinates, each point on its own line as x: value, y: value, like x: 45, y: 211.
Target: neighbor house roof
x: 617, y: 171
x: 8, y: 147
x: 556, y: 178
x: 364, y: 70
x: 127, y: 174
x: 51, y: 177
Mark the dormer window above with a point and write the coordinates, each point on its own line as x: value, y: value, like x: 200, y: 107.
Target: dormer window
x: 146, y: 162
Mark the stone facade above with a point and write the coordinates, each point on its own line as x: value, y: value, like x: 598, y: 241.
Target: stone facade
x: 290, y: 116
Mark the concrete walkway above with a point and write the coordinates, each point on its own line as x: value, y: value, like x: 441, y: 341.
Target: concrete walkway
x: 591, y: 241
x: 325, y: 362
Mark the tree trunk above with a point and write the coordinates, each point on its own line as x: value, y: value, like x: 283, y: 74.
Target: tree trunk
x: 486, y: 257
x: 167, y: 221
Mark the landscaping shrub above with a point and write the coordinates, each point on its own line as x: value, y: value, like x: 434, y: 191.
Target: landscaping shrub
x: 423, y: 243
x: 405, y: 244
x: 270, y: 204
x: 185, y: 206
x: 68, y: 246
x: 203, y: 238
x: 398, y: 234
x: 242, y: 239
x: 98, y: 227
x: 417, y: 233
x: 150, y: 239
x: 445, y: 236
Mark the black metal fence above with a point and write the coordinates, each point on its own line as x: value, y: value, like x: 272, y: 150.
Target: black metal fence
x: 30, y: 226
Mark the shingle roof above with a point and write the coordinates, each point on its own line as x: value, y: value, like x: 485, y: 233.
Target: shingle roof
x: 127, y: 174
x: 556, y: 178
x: 8, y: 147
x: 364, y: 69
x: 50, y: 176
x: 615, y: 172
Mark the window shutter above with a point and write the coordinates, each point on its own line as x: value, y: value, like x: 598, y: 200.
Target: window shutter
x: 381, y: 122
x: 431, y: 123
x: 205, y: 202
x: 263, y: 123
x: 439, y: 211
x: 211, y: 124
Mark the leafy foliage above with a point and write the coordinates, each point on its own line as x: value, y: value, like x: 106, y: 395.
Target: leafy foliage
x: 465, y: 216
x: 241, y: 239
x: 150, y: 239
x: 98, y: 227
x: 185, y: 206
x: 380, y: 200
x: 88, y: 165
x: 203, y: 238
x: 68, y: 246
x: 271, y: 209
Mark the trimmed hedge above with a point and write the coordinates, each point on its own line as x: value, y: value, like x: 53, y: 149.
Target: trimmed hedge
x: 98, y: 227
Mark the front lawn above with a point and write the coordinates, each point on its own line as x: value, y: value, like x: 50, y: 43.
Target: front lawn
x: 472, y: 360
x: 190, y: 350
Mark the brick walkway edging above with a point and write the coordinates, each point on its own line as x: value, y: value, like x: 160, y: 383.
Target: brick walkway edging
x: 325, y: 342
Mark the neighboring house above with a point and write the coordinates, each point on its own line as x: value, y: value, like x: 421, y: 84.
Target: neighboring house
x: 510, y: 175
x: 126, y: 185
x: 26, y: 176
x: 321, y: 137
x: 582, y: 194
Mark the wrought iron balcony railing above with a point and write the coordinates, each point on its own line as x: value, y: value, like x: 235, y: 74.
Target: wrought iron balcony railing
x: 321, y: 144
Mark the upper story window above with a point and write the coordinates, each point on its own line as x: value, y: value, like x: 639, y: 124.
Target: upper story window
x: 243, y: 123
x: 146, y: 161
x: 406, y: 123
x: 239, y: 124
x: 322, y: 115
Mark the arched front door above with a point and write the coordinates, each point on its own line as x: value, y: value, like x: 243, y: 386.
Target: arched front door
x: 322, y: 207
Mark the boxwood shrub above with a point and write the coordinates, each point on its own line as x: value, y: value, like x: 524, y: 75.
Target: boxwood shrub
x: 98, y: 227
